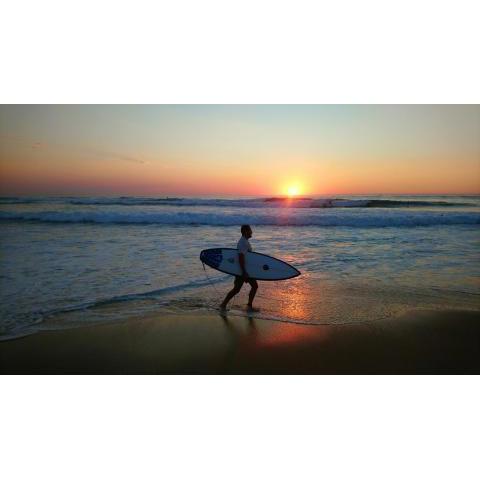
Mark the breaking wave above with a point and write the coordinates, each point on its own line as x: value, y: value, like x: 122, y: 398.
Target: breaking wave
x: 286, y: 217
x: 273, y: 202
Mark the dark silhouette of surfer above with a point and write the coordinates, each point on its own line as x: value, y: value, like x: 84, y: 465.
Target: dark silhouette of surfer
x: 243, y: 247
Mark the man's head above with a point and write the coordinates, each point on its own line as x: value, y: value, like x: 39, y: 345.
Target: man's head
x: 246, y: 231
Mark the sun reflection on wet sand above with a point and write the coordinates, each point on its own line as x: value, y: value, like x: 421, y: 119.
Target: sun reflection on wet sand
x: 280, y: 335
x: 251, y: 334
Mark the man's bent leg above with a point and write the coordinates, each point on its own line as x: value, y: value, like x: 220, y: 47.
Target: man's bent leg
x: 237, y: 286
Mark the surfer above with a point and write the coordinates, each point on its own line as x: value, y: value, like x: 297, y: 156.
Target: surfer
x: 243, y: 246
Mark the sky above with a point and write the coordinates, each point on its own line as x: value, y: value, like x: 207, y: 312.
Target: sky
x: 239, y: 149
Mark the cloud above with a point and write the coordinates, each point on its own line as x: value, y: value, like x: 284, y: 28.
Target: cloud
x: 21, y: 141
x: 36, y: 145
x: 115, y: 155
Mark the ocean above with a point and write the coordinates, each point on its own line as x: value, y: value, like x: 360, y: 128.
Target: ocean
x: 72, y: 261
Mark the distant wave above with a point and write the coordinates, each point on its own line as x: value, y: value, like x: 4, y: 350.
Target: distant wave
x: 371, y: 218
x: 19, y: 200
x: 280, y: 202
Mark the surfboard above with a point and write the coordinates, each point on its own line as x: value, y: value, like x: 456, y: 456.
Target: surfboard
x: 258, y: 265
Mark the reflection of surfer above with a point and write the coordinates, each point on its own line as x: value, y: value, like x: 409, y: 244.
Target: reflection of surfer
x: 243, y: 247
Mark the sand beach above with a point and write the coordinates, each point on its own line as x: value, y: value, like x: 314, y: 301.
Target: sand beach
x: 420, y: 342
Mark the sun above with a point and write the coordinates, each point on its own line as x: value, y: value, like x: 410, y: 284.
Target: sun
x: 293, y: 190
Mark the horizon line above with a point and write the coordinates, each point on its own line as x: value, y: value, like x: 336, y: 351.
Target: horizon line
x: 236, y: 195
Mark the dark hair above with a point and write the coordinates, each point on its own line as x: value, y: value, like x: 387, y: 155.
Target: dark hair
x: 244, y: 228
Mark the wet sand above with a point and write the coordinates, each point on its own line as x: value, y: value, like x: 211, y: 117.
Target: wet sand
x: 421, y: 342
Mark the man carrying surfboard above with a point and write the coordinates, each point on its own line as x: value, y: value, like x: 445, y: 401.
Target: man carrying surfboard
x: 243, y: 246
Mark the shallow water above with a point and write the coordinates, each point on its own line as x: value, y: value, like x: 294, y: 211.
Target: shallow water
x: 70, y: 261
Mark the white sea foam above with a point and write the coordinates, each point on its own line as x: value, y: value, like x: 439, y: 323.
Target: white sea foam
x: 290, y: 217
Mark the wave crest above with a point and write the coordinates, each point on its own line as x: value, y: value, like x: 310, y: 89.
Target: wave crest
x: 282, y: 218
x: 272, y: 202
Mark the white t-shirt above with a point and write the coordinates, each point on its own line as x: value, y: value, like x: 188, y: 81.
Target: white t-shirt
x: 243, y: 245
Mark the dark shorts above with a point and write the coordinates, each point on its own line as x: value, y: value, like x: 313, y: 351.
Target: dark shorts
x: 239, y: 281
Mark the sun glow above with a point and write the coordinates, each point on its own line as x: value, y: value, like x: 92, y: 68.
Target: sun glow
x: 293, y: 190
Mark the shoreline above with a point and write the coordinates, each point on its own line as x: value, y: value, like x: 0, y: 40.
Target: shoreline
x: 419, y: 342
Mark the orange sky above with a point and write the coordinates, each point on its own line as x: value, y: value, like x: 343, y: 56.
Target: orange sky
x: 239, y: 150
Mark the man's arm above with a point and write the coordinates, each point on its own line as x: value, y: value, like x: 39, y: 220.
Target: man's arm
x: 241, y: 260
